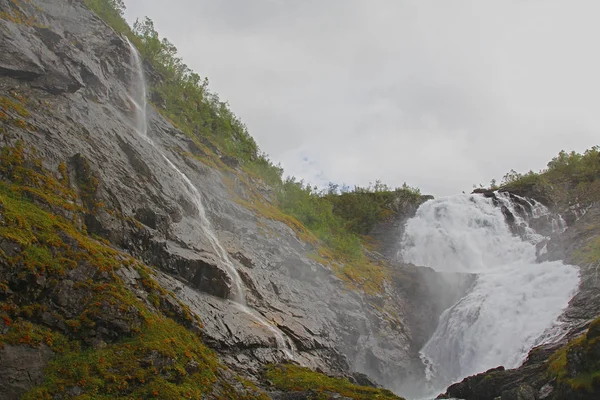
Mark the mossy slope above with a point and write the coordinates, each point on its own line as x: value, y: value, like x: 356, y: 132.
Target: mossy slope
x: 61, y: 289
x: 576, y: 366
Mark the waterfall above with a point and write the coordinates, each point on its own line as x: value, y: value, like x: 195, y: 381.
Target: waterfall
x: 138, y: 98
x: 514, y: 300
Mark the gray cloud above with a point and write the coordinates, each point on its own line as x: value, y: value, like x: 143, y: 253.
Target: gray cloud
x: 438, y: 94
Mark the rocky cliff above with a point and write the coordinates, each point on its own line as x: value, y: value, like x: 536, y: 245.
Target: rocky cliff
x: 115, y: 270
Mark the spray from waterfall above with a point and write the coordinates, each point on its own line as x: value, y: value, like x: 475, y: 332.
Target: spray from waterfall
x: 514, y: 299
x: 138, y: 98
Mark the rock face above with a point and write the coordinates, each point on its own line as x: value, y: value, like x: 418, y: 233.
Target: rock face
x: 72, y: 74
x: 21, y: 369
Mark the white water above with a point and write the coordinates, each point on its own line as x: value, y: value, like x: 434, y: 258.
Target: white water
x: 138, y: 97
x: 514, y: 300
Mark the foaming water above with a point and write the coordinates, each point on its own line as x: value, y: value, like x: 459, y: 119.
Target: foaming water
x: 138, y: 97
x: 514, y: 300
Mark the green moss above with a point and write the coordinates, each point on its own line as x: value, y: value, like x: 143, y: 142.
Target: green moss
x: 87, y: 182
x: 28, y: 179
x: 164, y: 361
x: 26, y: 333
x: 111, y: 11
x: 42, y: 236
x: 587, y: 378
x: 157, y: 357
x: 293, y: 378
x: 557, y: 363
x: 586, y: 382
x: 590, y: 253
x: 14, y: 14
x: 13, y: 109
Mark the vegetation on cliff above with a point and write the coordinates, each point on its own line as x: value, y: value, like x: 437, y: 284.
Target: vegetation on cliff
x: 338, y: 217
x: 108, y: 343
x: 576, y: 366
x: 61, y: 289
x: 569, y: 179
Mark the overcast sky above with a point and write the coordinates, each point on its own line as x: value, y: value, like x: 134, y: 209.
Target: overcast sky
x: 438, y: 94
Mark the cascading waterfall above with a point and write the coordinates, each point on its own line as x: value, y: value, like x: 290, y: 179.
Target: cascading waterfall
x: 514, y: 301
x: 138, y: 98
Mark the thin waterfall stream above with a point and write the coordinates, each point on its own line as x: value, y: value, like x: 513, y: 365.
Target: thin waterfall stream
x: 139, y: 99
x: 514, y: 302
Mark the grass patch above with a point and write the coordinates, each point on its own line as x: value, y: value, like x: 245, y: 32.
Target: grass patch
x: 292, y: 378
x: 590, y: 253
x: 13, y: 111
x: 164, y: 361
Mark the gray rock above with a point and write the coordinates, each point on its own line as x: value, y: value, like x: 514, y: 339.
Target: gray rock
x: 21, y: 368
x: 523, y: 392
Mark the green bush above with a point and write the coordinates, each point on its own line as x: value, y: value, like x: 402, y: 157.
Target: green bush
x: 570, y: 178
x: 111, y: 11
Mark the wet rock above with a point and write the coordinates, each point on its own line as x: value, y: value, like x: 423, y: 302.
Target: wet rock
x: 154, y: 220
x: 485, y: 192
x: 136, y: 161
x: 244, y: 260
x: 230, y: 161
x: 545, y: 391
x: 21, y: 368
x: 508, y: 215
x: 75, y: 391
x: 523, y: 392
x: 19, y: 60
x: 201, y: 271
x: 387, y: 232
x: 531, y: 191
x: 309, y: 395
x: 9, y: 247
x: 363, y: 380
x: 192, y: 367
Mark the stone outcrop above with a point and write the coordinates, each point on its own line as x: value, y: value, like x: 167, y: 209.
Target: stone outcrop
x: 21, y: 369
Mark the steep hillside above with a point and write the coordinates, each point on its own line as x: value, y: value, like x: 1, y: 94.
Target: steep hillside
x: 127, y: 254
